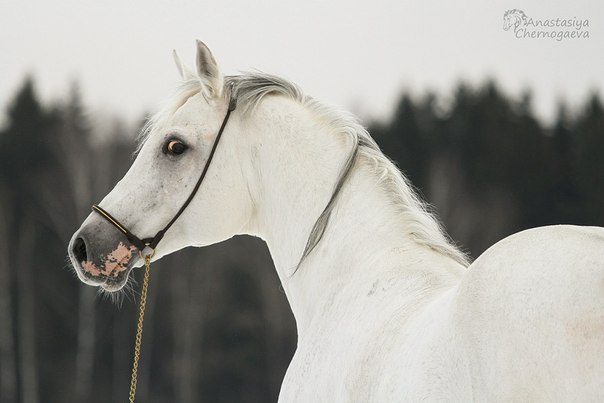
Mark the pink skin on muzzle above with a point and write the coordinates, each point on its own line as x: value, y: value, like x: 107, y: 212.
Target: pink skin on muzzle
x: 115, y: 262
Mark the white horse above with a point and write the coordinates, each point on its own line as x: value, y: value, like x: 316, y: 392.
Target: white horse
x: 387, y: 309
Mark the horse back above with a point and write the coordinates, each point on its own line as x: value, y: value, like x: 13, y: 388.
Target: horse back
x: 530, y: 311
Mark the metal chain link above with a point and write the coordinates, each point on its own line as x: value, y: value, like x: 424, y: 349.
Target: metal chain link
x: 139, y: 329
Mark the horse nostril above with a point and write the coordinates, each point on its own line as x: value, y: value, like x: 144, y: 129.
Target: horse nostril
x: 79, y: 250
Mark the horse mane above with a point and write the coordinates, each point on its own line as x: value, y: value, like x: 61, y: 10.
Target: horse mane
x: 250, y: 88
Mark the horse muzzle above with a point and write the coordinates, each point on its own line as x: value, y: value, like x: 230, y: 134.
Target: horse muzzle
x: 101, y: 256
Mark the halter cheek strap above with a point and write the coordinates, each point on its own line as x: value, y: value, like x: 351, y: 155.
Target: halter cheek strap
x: 141, y: 244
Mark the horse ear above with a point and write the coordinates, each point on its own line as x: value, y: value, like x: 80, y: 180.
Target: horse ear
x: 208, y: 69
x: 183, y: 69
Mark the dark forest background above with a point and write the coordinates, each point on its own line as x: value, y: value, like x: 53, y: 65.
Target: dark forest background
x: 218, y: 327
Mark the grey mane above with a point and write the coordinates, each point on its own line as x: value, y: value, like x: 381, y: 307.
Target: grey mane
x: 249, y: 89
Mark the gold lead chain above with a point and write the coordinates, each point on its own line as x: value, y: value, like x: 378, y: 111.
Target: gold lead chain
x: 139, y: 328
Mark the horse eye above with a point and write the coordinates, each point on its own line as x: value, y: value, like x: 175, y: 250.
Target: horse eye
x: 174, y: 147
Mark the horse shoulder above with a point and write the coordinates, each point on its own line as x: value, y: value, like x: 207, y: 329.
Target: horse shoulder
x: 398, y: 347
x: 531, y: 313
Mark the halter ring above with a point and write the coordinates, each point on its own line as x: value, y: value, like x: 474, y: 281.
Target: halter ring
x: 146, y: 256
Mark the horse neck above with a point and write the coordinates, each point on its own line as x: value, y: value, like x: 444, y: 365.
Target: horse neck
x: 365, y: 237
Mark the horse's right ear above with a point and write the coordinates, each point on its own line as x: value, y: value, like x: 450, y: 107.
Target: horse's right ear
x: 185, y: 72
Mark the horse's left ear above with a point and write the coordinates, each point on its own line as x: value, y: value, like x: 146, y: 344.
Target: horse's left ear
x: 208, y: 69
x: 183, y: 69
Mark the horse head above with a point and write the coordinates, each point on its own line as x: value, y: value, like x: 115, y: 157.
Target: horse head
x: 175, y: 148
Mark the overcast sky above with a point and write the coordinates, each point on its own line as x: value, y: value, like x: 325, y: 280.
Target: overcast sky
x: 359, y: 54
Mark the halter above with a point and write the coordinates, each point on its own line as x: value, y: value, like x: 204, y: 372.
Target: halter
x: 151, y: 243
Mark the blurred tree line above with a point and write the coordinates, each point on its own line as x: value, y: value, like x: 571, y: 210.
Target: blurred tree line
x: 218, y: 327
x: 491, y: 168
